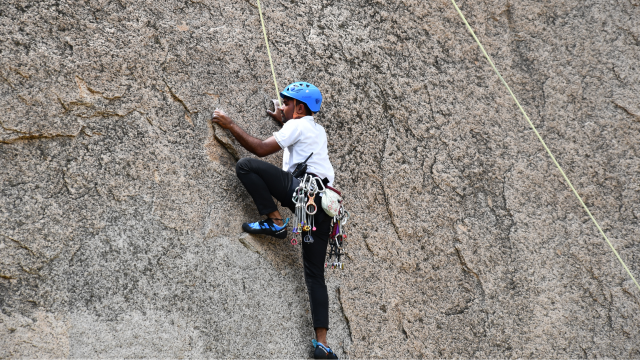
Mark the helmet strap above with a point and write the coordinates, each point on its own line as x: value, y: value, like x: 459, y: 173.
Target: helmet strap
x: 295, y: 108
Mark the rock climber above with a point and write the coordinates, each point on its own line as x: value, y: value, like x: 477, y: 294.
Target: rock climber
x: 299, y: 137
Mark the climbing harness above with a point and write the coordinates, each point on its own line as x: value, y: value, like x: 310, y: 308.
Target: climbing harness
x: 305, y: 197
x: 544, y: 144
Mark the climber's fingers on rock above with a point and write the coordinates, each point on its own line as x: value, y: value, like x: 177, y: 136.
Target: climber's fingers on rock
x: 220, y: 118
x: 276, y: 115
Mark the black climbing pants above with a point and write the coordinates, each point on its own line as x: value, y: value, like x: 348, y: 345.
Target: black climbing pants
x: 263, y: 180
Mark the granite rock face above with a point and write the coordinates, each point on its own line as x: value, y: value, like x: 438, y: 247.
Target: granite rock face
x: 120, y: 210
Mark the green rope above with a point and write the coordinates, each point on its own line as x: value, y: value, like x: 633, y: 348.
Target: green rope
x: 266, y: 41
x: 544, y: 144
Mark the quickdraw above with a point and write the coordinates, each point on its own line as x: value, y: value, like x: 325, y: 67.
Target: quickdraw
x: 338, y: 240
x: 305, y: 197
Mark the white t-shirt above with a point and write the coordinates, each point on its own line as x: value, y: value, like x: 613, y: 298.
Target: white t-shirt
x: 301, y: 137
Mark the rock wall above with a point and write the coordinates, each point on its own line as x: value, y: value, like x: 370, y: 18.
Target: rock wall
x: 120, y: 211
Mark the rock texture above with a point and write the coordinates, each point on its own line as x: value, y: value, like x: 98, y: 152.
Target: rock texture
x: 120, y: 211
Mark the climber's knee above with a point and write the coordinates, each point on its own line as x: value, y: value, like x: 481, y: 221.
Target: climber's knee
x: 243, y: 166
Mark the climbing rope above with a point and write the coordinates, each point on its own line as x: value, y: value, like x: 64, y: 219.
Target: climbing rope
x: 544, y: 144
x: 266, y: 41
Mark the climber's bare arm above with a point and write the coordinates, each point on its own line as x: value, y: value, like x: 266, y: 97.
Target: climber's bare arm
x: 256, y: 146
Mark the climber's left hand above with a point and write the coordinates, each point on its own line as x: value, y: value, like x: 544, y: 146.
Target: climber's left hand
x: 220, y: 118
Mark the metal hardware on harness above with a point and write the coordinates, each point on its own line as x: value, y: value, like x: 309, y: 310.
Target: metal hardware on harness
x: 338, y: 239
x: 304, y: 221
x: 311, y: 207
x: 308, y: 239
x: 305, y: 209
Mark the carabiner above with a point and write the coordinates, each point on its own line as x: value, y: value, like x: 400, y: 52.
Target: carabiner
x: 321, y: 184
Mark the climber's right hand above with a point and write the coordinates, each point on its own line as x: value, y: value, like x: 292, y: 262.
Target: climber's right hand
x: 278, y: 114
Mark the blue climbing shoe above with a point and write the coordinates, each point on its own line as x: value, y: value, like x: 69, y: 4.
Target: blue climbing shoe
x: 322, y: 352
x: 266, y: 227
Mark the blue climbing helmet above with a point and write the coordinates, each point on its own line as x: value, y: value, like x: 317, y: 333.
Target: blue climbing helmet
x: 304, y: 92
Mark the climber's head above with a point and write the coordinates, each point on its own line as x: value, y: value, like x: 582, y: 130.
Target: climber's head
x: 294, y: 109
x: 300, y: 99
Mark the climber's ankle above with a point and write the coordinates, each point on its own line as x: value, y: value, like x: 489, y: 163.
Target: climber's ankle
x: 321, y: 335
x: 276, y: 218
